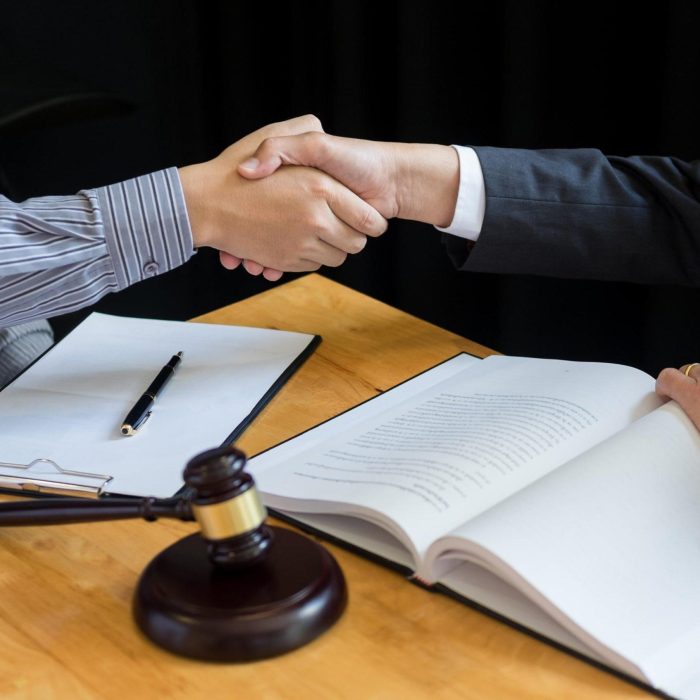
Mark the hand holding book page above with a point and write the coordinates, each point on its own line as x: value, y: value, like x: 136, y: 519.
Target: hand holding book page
x: 609, y: 546
x: 570, y: 482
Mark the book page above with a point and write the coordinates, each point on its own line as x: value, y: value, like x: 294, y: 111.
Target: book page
x: 478, y: 585
x: 610, y: 545
x: 430, y: 461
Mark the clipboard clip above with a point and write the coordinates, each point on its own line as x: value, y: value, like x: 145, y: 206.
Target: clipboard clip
x: 45, y: 476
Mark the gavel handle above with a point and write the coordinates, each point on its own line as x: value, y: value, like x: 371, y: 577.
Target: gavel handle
x: 77, y: 510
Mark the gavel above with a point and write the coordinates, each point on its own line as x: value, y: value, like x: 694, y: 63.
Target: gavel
x: 239, y: 589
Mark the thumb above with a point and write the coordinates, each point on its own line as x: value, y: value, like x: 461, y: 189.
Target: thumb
x: 253, y: 169
x: 672, y: 383
x: 301, y: 149
x: 685, y: 391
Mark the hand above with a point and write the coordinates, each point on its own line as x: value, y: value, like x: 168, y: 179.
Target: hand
x: 410, y: 181
x: 296, y: 221
x: 683, y: 389
x: 231, y: 262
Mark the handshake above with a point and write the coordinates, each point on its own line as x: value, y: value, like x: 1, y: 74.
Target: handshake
x: 339, y: 191
x: 335, y: 192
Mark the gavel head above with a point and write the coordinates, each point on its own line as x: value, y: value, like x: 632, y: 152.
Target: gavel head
x: 228, y: 508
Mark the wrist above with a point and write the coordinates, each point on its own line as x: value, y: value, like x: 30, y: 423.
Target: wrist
x: 194, y: 190
x: 427, y: 183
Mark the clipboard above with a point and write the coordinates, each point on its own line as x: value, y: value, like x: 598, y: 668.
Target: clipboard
x: 44, y: 476
x: 56, y: 433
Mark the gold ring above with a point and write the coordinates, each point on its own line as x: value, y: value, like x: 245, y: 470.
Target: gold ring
x: 689, y: 367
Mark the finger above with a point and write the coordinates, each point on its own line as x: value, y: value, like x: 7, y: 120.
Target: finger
x: 355, y: 212
x: 325, y: 254
x: 309, y: 149
x: 253, y: 268
x: 272, y: 275
x: 341, y: 237
x: 685, y: 391
x: 230, y: 262
x: 298, y: 125
x: 301, y: 264
x: 691, y: 370
x: 253, y: 169
x: 674, y: 384
x: 269, y: 273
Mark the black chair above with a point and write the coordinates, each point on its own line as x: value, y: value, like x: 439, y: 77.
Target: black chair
x: 32, y: 100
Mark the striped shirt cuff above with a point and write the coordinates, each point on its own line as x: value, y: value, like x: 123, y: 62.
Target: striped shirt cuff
x: 145, y: 226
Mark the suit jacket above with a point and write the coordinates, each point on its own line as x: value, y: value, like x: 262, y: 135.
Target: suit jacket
x: 577, y: 213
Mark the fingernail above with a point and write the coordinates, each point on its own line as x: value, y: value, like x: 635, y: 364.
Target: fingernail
x: 250, y: 164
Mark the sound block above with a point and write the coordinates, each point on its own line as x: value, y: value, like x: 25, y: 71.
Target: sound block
x: 190, y: 607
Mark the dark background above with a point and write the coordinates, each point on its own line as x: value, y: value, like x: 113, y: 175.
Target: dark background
x: 183, y: 79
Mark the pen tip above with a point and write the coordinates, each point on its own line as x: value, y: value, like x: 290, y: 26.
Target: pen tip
x: 179, y: 354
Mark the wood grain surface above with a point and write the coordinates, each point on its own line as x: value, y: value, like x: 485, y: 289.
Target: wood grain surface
x: 65, y: 591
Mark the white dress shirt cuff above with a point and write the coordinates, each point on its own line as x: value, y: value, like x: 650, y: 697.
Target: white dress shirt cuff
x: 471, y: 198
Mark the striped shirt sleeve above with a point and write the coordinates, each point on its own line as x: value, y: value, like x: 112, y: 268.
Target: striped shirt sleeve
x: 58, y: 254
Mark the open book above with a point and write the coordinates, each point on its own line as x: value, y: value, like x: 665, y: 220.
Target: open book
x: 564, y: 496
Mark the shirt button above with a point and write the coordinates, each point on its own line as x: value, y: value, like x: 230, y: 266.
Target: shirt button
x: 151, y: 269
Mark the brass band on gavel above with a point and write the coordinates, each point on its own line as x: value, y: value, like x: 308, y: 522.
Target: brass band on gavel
x: 232, y: 517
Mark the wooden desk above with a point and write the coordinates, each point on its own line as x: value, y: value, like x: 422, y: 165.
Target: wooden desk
x: 65, y: 592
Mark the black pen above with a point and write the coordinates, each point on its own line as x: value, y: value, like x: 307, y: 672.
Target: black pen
x: 141, y: 411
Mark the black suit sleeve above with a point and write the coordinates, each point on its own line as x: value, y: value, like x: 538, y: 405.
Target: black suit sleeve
x: 581, y: 214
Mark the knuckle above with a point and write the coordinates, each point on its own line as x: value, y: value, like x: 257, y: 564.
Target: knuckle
x: 284, y: 258
x: 268, y: 145
x: 311, y: 122
x: 318, y: 185
x: 316, y: 223
x: 317, y: 143
x: 667, y: 381
x: 338, y: 260
x: 665, y: 373
x: 307, y: 247
x: 664, y: 376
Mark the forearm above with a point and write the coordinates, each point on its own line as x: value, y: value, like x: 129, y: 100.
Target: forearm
x: 58, y: 254
x: 578, y: 213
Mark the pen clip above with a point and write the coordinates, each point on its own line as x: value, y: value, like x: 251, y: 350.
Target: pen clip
x: 139, y: 423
